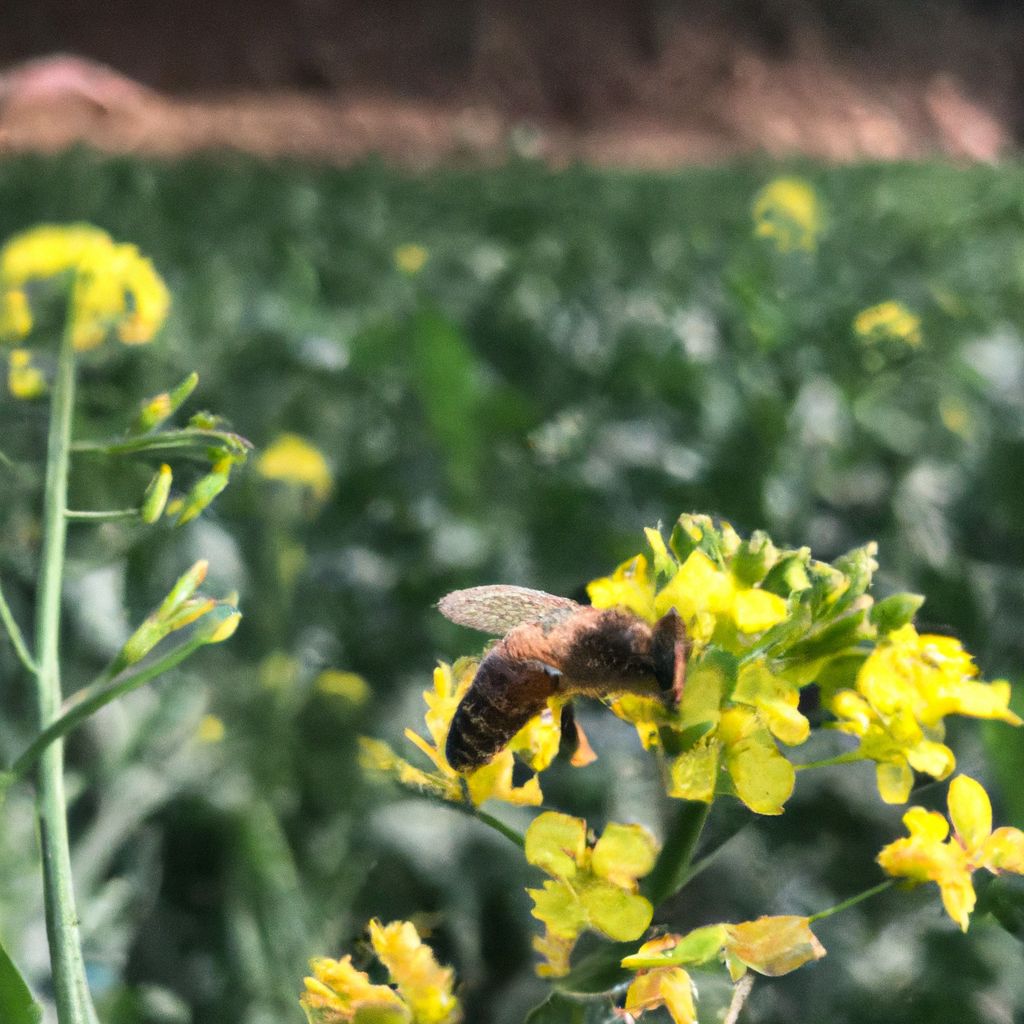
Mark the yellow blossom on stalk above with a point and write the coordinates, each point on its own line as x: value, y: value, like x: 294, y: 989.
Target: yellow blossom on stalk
x: 905, y: 688
x: 787, y: 211
x: 771, y: 946
x: 926, y: 855
x: 536, y: 744
x: 888, y: 321
x: 294, y: 460
x: 115, y: 288
x: 23, y: 379
x: 591, y: 886
x: 420, y: 991
x: 411, y: 258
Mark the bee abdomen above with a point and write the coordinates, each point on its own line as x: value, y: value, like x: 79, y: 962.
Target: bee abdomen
x: 505, y: 694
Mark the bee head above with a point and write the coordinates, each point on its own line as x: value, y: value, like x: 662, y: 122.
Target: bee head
x: 669, y: 650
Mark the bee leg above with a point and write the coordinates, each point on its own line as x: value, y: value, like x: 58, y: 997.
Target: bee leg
x: 569, y: 740
x: 670, y: 649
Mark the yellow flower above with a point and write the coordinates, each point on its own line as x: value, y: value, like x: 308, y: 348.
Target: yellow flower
x: 295, y: 460
x: 210, y: 729
x: 411, y: 258
x: 927, y: 856
x: 337, y: 993
x: 786, y: 211
x: 704, y: 594
x: 15, y: 314
x: 348, y: 685
x: 115, y: 287
x: 772, y: 946
x: 425, y: 986
x: 536, y: 744
x: 23, y: 379
x: 888, y: 321
x: 904, y: 690
x: 591, y: 887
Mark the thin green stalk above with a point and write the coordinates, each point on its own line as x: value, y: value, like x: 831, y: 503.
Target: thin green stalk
x: 71, y: 992
x: 102, y: 690
x: 672, y: 867
x: 17, y: 637
x: 853, y: 900
x: 102, y: 516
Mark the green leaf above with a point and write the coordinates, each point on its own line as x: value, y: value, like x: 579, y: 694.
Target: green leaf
x: 16, y: 1003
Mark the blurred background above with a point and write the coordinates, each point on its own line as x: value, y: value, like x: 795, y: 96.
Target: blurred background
x: 512, y: 270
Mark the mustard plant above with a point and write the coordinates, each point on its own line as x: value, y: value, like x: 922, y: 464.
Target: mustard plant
x: 108, y: 293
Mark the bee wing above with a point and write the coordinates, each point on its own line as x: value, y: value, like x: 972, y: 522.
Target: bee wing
x: 499, y: 608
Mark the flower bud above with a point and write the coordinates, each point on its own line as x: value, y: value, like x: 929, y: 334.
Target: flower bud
x: 157, y: 409
x: 155, y: 498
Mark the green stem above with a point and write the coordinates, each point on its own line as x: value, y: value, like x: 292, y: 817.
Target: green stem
x: 17, y: 637
x: 71, y: 992
x: 171, y: 440
x: 102, y: 690
x: 500, y: 827
x: 672, y: 867
x: 103, y: 516
x: 853, y: 900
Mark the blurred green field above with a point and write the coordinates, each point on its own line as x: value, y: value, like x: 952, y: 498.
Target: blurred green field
x: 584, y: 353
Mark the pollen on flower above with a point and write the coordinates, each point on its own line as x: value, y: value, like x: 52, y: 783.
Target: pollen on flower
x: 787, y: 212
x: 294, y: 460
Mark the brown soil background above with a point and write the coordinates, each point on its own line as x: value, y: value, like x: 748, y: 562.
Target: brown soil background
x: 651, y: 83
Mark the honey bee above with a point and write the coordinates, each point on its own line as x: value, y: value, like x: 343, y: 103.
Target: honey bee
x: 553, y: 646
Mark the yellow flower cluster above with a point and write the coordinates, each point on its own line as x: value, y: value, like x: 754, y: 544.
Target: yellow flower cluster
x: 420, y: 991
x: 888, y: 321
x: 536, y: 743
x: 787, y: 212
x: 114, y: 288
x: 926, y: 855
x: 741, y: 707
x: 294, y: 460
x: 592, y: 886
x: 771, y: 946
x: 905, y: 688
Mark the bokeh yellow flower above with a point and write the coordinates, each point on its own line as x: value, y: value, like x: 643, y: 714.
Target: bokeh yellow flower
x: 411, y: 258
x: 24, y: 380
x: 888, y: 321
x: 350, y: 686
x: 787, y: 212
x: 115, y: 288
x: 210, y: 729
x: 926, y: 855
x: 15, y: 315
x: 294, y: 460
x: 420, y: 990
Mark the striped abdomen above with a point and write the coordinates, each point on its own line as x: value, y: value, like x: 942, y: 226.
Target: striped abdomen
x: 505, y: 694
